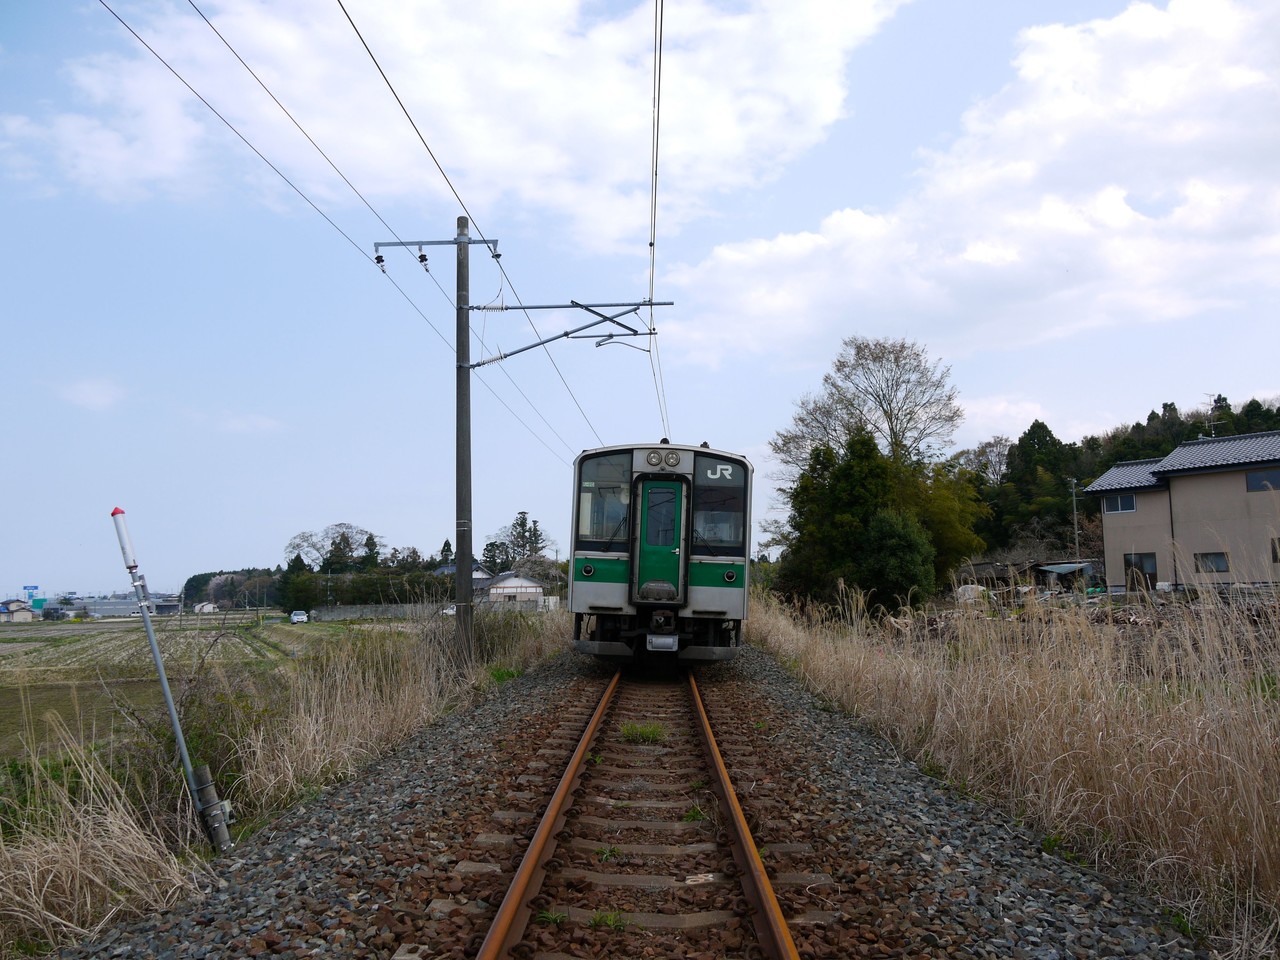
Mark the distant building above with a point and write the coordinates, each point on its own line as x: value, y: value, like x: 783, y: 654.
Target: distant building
x: 15, y: 611
x: 1208, y: 514
x: 511, y: 587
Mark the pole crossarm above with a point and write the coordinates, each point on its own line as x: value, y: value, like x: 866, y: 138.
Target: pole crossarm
x: 575, y: 333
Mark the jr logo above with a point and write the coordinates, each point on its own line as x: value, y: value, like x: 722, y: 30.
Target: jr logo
x: 722, y: 470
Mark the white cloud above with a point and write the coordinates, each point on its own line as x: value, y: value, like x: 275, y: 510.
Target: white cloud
x: 1124, y: 176
x: 92, y: 394
x: 546, y: 103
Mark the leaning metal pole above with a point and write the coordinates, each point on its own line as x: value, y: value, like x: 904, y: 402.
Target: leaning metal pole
x: 204, y: 797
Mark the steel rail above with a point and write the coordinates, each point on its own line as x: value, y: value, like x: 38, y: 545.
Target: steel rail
x: 513, y: 915
x: 771, y: 925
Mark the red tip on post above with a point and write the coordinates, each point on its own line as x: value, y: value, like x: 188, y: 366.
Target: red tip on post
x: 116, y: 512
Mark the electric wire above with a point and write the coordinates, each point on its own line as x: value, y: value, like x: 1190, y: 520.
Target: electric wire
x: 365, y: 201
x: 480, y: 233
x: 292, y: 119
x: 230, y: 126
x: 655, y: 358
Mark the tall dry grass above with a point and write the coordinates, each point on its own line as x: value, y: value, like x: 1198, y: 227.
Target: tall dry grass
x: 1145, y: 738
x: 75, y: 856
x: 83, y: 841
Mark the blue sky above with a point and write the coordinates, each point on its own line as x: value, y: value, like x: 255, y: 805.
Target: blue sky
x: 1072, y: 204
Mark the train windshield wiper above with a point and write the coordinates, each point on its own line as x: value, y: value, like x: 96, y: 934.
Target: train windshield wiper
x: 698, y: 536
x: 616, y: 530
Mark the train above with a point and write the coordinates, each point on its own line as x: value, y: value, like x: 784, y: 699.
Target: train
x: 661, y: 552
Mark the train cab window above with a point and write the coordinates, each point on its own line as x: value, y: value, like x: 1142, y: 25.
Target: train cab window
x: 719, y: 506
x: 604, y: 493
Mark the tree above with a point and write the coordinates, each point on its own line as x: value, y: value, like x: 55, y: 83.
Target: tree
x: 886, y: 386
x: 497, y: 556
x: 987, y: 461
x: 341, y: 557
x: 522, y: 539
x: 446, y: 553
x: 315, y: 548
x: 832, y: 502
x: 897, y: 560
x: 372, y: 552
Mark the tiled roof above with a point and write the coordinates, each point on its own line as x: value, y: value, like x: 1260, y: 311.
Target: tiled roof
x: 1190, y: 456
x: 1129, y: 475
x: 1222, y: 452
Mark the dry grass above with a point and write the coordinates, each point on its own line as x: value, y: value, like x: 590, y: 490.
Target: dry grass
x: 1146, y: 739
x: 79, y: 857
x: 78, y: 849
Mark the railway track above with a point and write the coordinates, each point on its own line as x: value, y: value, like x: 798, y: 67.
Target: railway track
x: 644, y: 849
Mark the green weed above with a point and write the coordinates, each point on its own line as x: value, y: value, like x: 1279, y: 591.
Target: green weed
x: 643, y: 732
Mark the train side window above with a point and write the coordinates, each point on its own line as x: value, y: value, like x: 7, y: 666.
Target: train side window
x: 604, y: 494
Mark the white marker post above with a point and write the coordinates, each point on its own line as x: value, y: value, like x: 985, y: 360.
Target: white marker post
x: 212, y: 812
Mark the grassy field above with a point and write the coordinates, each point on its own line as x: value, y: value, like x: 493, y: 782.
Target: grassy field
x: 91, y: 674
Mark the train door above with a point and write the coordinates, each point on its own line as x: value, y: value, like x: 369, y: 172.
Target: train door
x: 660, y: 542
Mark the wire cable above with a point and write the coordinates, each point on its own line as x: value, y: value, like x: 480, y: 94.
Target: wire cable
x: 230, y: 126
x: 655, y: 359
x: 392, y: 231
x: 480, y: 233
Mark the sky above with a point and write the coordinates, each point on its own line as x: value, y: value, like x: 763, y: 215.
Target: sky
x: 1071, y: 204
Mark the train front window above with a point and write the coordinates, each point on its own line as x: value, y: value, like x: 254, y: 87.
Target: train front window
x: 604, y: 494
x: 719, y: 506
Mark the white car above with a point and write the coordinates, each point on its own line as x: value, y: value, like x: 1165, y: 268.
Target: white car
x: 298, y: 616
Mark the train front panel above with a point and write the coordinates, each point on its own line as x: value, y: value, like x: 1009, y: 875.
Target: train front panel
x: 661, y: 546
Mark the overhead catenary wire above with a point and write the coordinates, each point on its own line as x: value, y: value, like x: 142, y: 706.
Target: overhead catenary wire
x: 457, y: 196
x: 399, y: 289
x: 655, y: 357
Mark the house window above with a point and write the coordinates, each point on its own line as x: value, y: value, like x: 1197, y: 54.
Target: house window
x: 1120, y: 503
x: 1212, y: 563
x: 1260, y: 481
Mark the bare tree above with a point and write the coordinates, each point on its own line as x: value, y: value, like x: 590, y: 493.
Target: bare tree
x: 890, y: 387
x: 988, y: 459
x: 315, y: 547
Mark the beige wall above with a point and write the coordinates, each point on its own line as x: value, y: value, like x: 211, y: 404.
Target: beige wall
x: 1145, y: 530
x: 1209, y: 513
x: 1215, y: 513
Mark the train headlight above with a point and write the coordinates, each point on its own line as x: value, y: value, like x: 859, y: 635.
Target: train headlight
x: 673, y: 459
x: 730, y: 576
x: 654, y: 458
x: 588, y: 569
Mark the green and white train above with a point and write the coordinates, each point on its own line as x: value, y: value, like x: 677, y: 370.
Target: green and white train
x: 661, y: 552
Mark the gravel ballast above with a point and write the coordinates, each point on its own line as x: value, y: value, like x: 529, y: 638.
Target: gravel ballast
x: 938, y: 874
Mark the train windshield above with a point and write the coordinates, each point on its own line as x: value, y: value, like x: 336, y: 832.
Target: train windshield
x: 604, y: 493
x: 719, y: 506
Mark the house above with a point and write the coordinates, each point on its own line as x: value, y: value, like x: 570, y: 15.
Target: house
x: 511, y: 587
x: 15, y: 611
x: 1208, y: 514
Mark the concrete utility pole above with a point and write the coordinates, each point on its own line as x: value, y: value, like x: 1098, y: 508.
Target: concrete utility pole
x: 462, y: 494
x: 464, y: 549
